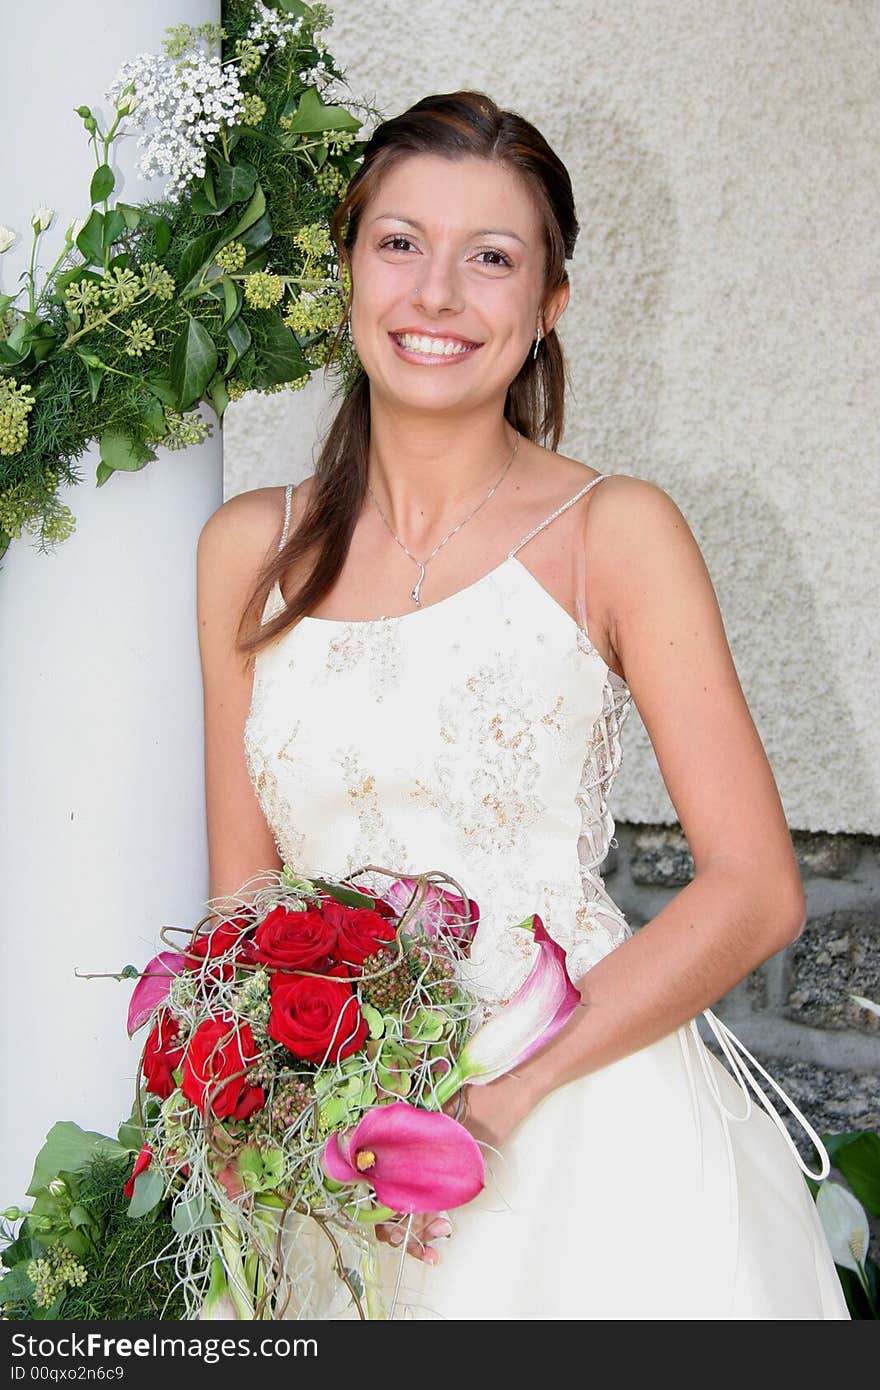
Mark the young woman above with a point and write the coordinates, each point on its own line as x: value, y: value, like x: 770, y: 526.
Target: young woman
x: 455, y: 620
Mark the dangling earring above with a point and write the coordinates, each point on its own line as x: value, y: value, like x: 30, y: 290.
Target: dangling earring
x: 537, y: 340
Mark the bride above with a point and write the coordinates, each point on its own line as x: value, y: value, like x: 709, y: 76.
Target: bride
x: 423, y: 656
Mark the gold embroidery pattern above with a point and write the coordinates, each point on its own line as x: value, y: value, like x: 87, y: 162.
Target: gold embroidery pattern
x: 261, y: 765
x: 489, y: 723
x: 375, y: 843
x: 373, y: 645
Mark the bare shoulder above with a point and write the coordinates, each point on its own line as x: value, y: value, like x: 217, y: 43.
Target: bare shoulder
x: 247, y: 528
x: 639, y: 548
x: 629, y: 512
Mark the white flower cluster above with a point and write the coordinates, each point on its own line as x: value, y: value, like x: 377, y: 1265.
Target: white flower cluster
x: 188, y: 99
x: 271, y: 27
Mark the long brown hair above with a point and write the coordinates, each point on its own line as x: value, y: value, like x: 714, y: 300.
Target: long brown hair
x: 455, y: 125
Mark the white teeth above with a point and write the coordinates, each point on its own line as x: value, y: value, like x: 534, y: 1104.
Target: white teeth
x: 442, y: 347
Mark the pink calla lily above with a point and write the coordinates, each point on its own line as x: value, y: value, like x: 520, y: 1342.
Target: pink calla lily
x: 416, y: 1160
x: 152, y: 988
x: 541, y: 1006
x: 434, y: 908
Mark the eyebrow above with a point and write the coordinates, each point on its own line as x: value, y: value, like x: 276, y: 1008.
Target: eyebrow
x: 485, y: 231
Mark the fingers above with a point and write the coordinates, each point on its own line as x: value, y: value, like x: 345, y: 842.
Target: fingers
x: 423, y: 1228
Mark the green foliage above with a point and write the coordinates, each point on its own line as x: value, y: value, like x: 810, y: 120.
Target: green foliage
x: 129, y: 1274
x: 139, y: 309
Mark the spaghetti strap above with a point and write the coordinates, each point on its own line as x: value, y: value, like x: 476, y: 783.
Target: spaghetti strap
x: 541, y: 524
x: 288, y: 491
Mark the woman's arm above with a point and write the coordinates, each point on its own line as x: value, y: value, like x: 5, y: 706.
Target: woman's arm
x: 234, y: 542
x: 746, y: 901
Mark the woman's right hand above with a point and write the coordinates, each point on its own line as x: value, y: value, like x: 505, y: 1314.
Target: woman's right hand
x: 423, y: 1227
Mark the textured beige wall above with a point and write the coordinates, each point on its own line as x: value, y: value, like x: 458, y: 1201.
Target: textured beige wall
x: 724, y: 328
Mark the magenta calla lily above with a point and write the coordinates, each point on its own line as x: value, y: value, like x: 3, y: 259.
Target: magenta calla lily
x: 152, y: 988
x: 434, y: 908
x: 542, y: 1005
x: 415, y: 1160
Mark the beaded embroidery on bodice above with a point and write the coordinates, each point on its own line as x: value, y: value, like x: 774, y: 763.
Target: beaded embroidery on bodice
x: 480, y: 735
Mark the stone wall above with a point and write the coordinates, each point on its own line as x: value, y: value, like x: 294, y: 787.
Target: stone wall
x: 793, y: 1013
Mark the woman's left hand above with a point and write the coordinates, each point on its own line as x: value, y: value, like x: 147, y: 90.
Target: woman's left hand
x: 490, y: 1113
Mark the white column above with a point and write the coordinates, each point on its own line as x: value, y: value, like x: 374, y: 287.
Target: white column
x: 101, y: 790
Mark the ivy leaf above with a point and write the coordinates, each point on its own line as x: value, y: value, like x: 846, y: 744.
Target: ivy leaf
x: 196, y: 258
x: 257, y: 235
x: 102, y: 184
x: 162, y: 236
x: 16, y: 1285
x: 193, y: 363
x: 96, y: 376
x: 233, y: 183
x: 280, y: 357
x: 239, y: 336
x: 161, y: 387
x: 312, y: 116
x: 153, y: 416
x: 218, y: 394
x: 252, y: 213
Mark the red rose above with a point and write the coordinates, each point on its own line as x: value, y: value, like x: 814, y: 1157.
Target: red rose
x: 141, y: 1164
x: 361, y: 932
x: 294, y: 940
x: 217, y: 1050
x: 218, y: 941
x: 163, y: 1052
x: 316, y: 1017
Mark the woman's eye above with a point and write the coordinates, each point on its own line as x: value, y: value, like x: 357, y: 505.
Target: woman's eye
x: 388, y: 244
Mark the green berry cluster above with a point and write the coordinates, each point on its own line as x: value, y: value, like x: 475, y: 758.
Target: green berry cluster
x: 248, y: 55
x: 253, y: 109
x: 313, y: 314
x: 140, y: 338
x: 56, y: 1271
x: 313, y: 239
x: 19, y: 512
x: 231, y: 257
x: 16, y: 404
x: 156, y: 280
x: 330, y: 181
x: 186, y: 429
x: 252, y: 998
x: 262, y: 290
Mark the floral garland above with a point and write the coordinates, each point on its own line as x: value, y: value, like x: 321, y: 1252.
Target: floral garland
x: 228, y: 283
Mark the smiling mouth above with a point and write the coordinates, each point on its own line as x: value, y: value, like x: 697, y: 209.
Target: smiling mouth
x: 426, y: 346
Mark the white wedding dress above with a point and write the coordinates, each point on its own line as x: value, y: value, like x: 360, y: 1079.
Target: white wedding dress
x: 481, y: 735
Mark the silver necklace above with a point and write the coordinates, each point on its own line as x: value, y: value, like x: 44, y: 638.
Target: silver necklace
x: 414, y: 592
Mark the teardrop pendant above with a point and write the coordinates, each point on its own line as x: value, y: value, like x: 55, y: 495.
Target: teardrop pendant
x: 418, y: 583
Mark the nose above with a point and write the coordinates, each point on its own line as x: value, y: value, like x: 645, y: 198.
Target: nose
x: 438, y: 285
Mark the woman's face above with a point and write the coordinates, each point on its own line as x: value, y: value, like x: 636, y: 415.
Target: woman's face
x: 450, y: 250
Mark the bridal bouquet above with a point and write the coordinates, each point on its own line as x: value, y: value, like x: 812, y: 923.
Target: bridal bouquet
x: 291, y: 1091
